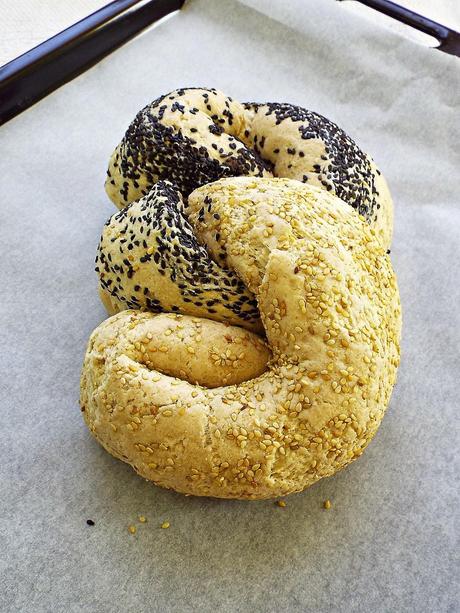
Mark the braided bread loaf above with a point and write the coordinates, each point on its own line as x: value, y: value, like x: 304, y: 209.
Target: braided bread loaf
x: 208, y: 407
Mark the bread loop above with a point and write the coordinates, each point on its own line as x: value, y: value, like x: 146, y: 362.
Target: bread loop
x: 208, y: 408
x: 195, y: 136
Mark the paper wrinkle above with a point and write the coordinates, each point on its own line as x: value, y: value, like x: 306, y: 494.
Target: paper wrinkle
x: 388, y: 543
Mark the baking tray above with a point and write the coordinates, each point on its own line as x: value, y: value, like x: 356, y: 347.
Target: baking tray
x: 390, y: 540
x: 41, y: 70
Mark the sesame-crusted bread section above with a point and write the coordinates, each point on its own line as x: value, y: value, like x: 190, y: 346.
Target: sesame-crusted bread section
x: 207, y: 408
x: 195, y: 136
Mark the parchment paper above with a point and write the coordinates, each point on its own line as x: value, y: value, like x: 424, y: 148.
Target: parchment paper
x: 389, y: 542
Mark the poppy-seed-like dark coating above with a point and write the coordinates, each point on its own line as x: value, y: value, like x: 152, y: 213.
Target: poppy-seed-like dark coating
x: 149, y: 258
x: 343, y: 168
x: 189, y: 137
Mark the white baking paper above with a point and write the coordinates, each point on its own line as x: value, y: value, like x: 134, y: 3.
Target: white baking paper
x: 390, y: 541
